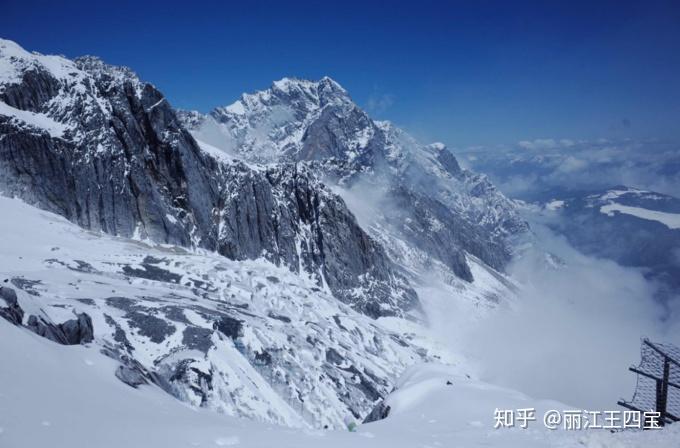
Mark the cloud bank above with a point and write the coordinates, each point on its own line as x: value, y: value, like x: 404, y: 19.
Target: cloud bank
x: 530, y: 167
x: 573, y: 332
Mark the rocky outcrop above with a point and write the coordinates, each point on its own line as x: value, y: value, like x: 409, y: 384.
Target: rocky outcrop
x: 124, y: 166
x: 79, y: 330
x: 447, y: 160
x: 132, y: 377
x: 96, y: 145
x: 72, y: 332
x: 10, y: 309
x: 380, y: 412
x: 230, y: 327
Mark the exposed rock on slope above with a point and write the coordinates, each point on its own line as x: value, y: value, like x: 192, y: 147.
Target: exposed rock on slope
x: 71, y: 332
x: 298, y: 222
x: 10, y: 309
x: 244, y: 338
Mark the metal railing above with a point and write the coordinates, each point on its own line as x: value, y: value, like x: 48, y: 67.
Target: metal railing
x: 658, y: 382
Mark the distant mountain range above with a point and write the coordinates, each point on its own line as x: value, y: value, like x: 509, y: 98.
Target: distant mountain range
x: 633, y: 227
x: 585, y: 189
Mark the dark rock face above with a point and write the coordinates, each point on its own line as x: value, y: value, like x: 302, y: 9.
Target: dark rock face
x: 197, y: 338
x: 449, y: 162
x: 442, y: 233
x: 45, y: 329
x: 131, y: 377
x: 152, y: 272
x: 149, y: 171
x: 155, y: 328
x: 130, y: 371
x: 72, y: 332
x: 348, y: 257
x: 229, y: 327
x: 117, y: 159
x: 286, y: 215
x: 79, y: 330
x: 263, y: 358
x: 199, y: 382
x: 12, y: 312
x: 334, y: 357
x: 380, y: 411
x: 322, y: 139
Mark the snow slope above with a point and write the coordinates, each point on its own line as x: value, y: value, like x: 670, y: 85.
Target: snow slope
x: 90, y: 408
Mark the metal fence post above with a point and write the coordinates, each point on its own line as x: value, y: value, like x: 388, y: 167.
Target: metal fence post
x: 662, y: 392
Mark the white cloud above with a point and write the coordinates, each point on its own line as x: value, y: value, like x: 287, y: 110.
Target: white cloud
x: 545, y: 143
x: 573, y: 332
x: 537, y: 165
x: 572, y: 164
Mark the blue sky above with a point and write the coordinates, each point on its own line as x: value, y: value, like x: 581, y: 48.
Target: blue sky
x: 488, y: 73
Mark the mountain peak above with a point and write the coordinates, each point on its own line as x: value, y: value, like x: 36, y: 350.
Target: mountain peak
x: 96, y: 67
x: 319, y: 93
x: 287, y: 84
x: 329, y: 82
x: 7, y: 45
x: 15, y: 60
x: 297, y: 96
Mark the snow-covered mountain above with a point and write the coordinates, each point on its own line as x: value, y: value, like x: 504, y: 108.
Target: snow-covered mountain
x: 234, y: 278
x: 93, y: 143
x: 426, y: 200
